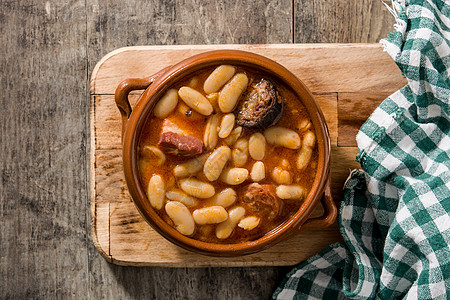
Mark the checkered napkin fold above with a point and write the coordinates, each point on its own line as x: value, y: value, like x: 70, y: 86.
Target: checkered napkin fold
x: 395, y: 214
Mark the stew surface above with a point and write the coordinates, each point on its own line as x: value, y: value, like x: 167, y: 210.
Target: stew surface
x: 264, y: 199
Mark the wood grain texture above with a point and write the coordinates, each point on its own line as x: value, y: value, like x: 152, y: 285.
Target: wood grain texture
x: 130, y: 240
x: 49, y: 49
x: 341, y: 21
x: 113, y: 23
x: 315, y: 65
x: 44, y: 169
x: 353, y: 111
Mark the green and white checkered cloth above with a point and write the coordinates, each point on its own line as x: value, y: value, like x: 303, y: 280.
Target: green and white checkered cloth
x: 395, y: 214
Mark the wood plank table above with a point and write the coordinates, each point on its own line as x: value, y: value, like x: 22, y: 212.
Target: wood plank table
x: 48, y: 53
x: 348, y: 81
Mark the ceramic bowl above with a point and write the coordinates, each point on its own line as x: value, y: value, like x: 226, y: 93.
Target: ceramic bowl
x: 134, y: 119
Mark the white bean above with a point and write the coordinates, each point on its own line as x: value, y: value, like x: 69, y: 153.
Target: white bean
x: 210, y: 215
x: 309, y: 139
x: 197, y: 188
x: 166, y: 104
x: 240, y: 152
x: 281, y: 176
x: 249, y: 223
x: 218, y: 78
x: 304, y: 125
x: 210, y: 135
x: 154, y: 154
x: 231, y: 92
x: 216, y: 162
x: 257, y: 146
x: 284, y: 137
x: 195, y: 100
x: 225, y: 198
x: 224, y: 229
x: 234, y: 136
x: 305, y: 153
x: 285, y: 164
x: 156, y: 191
x: 234, y: 176
x: 290, y: 192
x: 181, y: 217
x: 258, y: 172
x: 190, y: 167
x: 180, y: 196
x: 226, y: 126
x: 304, y: 156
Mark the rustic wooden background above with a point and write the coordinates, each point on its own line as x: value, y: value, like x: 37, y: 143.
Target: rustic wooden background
x: 48, y: 51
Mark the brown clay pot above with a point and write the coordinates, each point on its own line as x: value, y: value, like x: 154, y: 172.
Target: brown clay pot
x: 134, y: 120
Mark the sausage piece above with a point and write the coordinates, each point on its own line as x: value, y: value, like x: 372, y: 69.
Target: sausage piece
x: 262, y: 199
x: 261, y: 106
x: 177, y: 144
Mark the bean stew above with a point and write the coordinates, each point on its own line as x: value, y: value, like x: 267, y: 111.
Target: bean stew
x: 227, y: 155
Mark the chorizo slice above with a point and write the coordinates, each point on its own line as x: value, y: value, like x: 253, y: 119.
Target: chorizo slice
x: 261, y: 106
x: 261, y: 199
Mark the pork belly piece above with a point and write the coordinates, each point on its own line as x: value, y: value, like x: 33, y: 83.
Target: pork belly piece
x: 177, y: 144
x: 169, y: 126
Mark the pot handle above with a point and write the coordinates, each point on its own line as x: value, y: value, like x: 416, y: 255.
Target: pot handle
x: 128, y: 85
x: 329, y: 215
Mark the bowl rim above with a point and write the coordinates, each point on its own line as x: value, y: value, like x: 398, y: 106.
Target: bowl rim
x: 141, y: 112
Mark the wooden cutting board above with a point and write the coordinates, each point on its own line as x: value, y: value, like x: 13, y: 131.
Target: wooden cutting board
x: 348, y: 81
